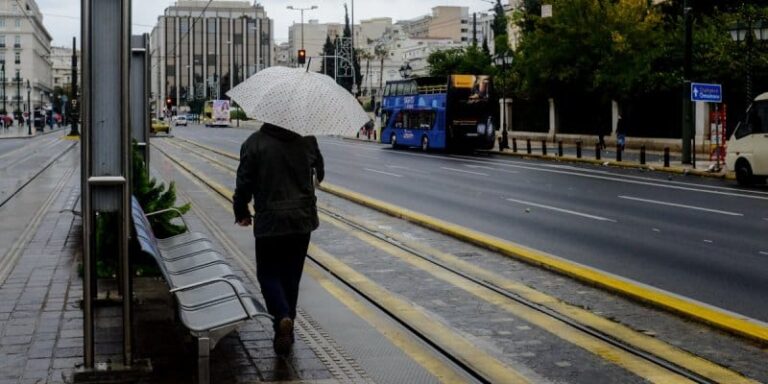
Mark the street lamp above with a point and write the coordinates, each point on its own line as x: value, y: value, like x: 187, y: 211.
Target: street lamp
x: 405, y: 70
x: 749, y: 31
x: 503, y: 59
x: 29, y: 109
x: 291, y: 7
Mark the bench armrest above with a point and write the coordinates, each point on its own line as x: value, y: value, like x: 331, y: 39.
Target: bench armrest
x: 181, y: 216
x: 219, y: 280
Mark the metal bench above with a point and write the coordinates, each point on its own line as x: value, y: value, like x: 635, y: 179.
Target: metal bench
x: 212, y: 301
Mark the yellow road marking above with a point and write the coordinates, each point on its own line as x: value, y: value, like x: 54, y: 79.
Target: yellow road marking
x: 438, y: 368
x: 459, y: 347
x: 716, y: 317
x: 658, y: 348
x: 491, y: 368
x: 626, y: 360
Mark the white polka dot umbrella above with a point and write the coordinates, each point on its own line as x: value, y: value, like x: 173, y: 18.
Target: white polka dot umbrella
x: 304, y: 102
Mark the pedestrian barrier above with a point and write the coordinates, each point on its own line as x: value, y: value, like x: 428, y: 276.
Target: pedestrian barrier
x: 212, y: 301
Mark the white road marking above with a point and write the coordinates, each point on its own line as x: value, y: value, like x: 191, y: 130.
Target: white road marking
x: 593, y: 217
x: 764, y: 253
x: 382, y: 172
x: 681, y: 206
x: 463, y: 171
x: 708, y: 241
x: 409, y: 169
x: 490, y: 168
x: 656, y: 230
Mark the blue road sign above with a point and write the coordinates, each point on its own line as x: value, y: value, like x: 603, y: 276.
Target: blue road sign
x: 708, y: 93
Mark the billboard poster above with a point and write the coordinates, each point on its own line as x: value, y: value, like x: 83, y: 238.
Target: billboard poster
x: 221, y: 110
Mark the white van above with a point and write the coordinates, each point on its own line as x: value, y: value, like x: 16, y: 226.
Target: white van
x: 747, y: 153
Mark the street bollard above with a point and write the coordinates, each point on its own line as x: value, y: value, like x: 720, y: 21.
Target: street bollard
x: 666, y: 157
x: 618, y: 153
x: 560, y: 148
x: 544, y: 147
x: 528, y: 145
x: 578, y: 149
x: 514, y: 145
x: 642, y: 155
x: 597, y: 151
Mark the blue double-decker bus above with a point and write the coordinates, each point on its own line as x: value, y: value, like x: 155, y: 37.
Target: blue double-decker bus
x: 452, y: 113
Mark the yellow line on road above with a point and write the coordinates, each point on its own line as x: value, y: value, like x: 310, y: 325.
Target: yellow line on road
x: 605, y: 351
x: 618, y: 331
x: 716, y: 317
x: 438, y: 368
x: 465, y: 351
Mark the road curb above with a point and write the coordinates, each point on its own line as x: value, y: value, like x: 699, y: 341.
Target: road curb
x: 716, y: 317
x: 26, y: 137
x: 618, y: 164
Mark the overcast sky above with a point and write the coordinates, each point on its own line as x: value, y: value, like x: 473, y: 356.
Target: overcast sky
x: 62, y: 17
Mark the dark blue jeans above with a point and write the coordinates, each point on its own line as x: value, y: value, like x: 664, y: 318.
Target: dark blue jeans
x: 279, y: 265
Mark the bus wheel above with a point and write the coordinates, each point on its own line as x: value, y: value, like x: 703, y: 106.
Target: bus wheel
x: 744, y: 173
x: 393, y: 141
x: 425, y: 144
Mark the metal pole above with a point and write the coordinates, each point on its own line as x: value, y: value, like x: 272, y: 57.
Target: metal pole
x: 73, y: 92
x: 29, y: 109
x: 89, y: 277
x: 5, y: 111
x: 687, y: 121
x: 302, y: 28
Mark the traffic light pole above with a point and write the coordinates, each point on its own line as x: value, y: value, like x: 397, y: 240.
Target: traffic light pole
x: 687, y: 121
x: 73, y: 115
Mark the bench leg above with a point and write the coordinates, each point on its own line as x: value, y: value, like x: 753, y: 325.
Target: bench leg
x: 203, y: 360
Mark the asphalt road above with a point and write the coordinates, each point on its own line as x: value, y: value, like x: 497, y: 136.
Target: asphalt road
x: 700, y: 238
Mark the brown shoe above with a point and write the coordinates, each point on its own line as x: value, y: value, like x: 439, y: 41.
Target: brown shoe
x: 283, y: 337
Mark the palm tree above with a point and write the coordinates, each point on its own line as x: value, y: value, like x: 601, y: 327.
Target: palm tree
x: 381, y: 52
x: 367, y: 56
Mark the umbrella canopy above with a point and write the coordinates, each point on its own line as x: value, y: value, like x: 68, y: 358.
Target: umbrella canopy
x: 305, y: 102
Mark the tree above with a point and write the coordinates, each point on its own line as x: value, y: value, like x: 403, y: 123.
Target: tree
x: 367, y: 56
x: 358, y: 77
x: 382, y: 53
x: 328, y: 66
x: 499, y: 26
x: 470, y: 60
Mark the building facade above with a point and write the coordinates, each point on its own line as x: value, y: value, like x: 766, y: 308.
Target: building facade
x: 61, y: 67
x: 200, y: 53
x: 25, y: 51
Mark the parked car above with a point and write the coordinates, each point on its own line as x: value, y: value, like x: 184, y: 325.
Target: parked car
x: 747, y: 153
x: 181, y: 120
x: 160, y: 125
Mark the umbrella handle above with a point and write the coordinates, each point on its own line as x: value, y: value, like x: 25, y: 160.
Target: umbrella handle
x: 309, y: 62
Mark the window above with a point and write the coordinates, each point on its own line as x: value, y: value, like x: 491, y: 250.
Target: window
x: 17, y: 22
x: 2, y: 41
x: 17, y: 41
x: 387, y: 90
x: 17, y: 58
x: 2, y: 22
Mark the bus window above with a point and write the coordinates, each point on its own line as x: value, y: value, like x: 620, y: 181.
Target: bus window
x: 398, y: 91
x: 412, y: 88
x: 384, y: 119
x: 426, y: 120
x: 399, y: 120
x: 387, y: 90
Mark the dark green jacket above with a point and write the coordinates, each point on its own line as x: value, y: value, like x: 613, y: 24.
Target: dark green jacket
x: 275, y: 172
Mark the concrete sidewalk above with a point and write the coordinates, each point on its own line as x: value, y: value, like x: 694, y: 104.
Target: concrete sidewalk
x: 23, y: 132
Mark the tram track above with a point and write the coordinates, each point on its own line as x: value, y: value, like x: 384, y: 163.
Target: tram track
x: 36, y: 174
x: 681, y: 364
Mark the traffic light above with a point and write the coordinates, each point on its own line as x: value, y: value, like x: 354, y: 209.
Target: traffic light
x: 168, y: 101
x: 302, y: 56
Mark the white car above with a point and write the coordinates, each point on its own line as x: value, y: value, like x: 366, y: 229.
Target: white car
x: 181, y: 120
x: 747, y: 153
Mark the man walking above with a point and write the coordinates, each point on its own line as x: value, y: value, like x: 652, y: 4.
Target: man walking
x: 276, y: 173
